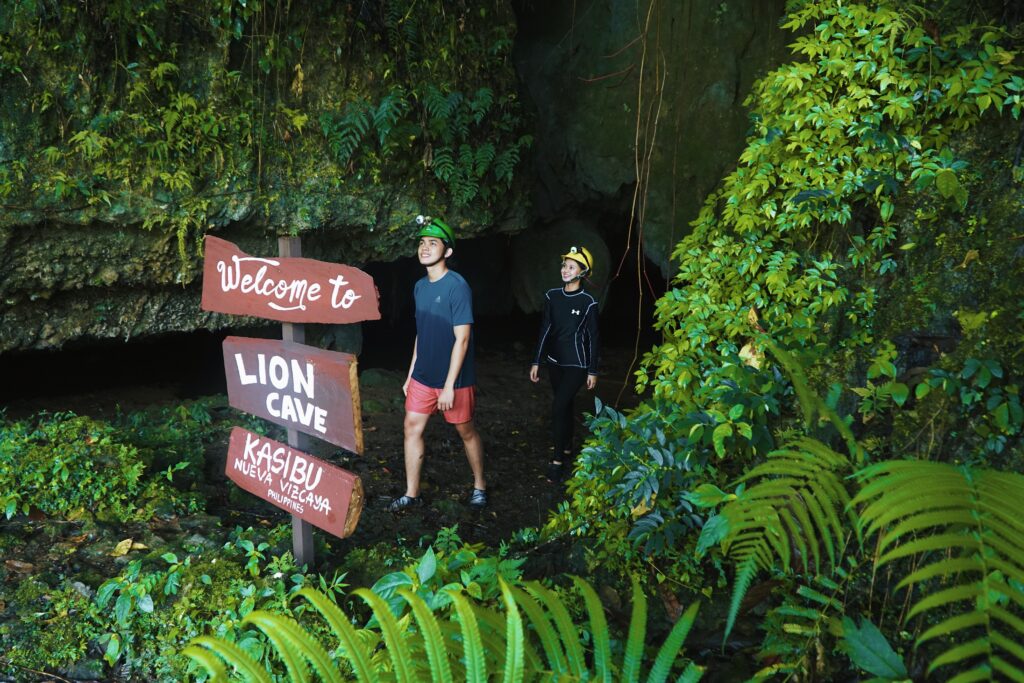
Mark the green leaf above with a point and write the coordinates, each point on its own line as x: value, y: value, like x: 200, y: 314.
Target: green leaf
x: 718, y: 437
x: 708, y: 495
x: 899, y: 392
x: 947, y: 182
x: 427, y: 567
x: 870, y: 651
x: 113, y: 649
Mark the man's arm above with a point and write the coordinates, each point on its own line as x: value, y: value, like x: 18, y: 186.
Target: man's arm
x: 459, y: 350
x: 412, y: 364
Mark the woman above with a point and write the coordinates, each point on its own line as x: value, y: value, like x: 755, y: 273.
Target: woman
x: 568, y: 346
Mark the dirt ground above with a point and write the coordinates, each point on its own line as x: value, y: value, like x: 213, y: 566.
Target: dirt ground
x: 512, y: 415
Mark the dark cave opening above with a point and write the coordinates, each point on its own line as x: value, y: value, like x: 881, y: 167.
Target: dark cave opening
x: 104, y: 374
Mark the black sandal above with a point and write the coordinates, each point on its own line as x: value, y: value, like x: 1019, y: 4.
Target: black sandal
x: 478, y: 499
x: 404, y: 503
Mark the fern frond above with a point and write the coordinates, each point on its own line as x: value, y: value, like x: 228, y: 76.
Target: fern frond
x: 492, y: 635
x: 208, y: 661
x: 566, y: 629
x: 795, y: 510
x: 795, y: 629
x: 744, y: 575
x: 387, y: 113
x: 236, y: 657
x: 692, y: 674
x: 433, y: 640
x: 295, y: 646
x: 505, y: 163
x: 633, y: 656
x: 444, y: 164
x: 482, y: 159
x: 476, y: 668
x: 436, y: 104
x: 481, y: 104
x: 545, y: 631
x: 669, y: 650
x: 964, y: 523
x: 598, y: 630
x: 397, y: 646
x: 811, y: 404
x: 515, y: 638
x: 352, y: 647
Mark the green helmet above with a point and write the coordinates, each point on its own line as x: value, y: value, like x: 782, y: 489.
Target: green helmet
x: 435, y: 227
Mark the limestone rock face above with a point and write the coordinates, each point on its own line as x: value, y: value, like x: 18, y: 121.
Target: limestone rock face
x: 133, y: 136
x: 644, y: 94
x: 125, y: 137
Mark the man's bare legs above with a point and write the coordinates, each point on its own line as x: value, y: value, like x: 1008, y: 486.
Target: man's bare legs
x: 474, y: 446
x: 415, y: 423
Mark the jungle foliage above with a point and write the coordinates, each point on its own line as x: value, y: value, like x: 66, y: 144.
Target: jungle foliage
x: 181, y: 115
x: 475, y: 643
x: 829, y: 446
x: 833, y: 427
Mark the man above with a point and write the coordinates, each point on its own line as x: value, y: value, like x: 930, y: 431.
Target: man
x: 441, y: 373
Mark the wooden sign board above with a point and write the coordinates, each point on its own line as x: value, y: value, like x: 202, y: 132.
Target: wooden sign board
x: 299, y: 387
x: 309, y: 488
x: 289, y: 289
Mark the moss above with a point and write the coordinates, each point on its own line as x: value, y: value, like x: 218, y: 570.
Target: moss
x: 321, y: 119
x: 53, y: 630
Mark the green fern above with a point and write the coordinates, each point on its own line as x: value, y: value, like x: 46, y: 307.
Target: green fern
x: 505, y: 163
x: 481, y: 104
x: 345, y: 134
x: 795, y: 514
x: 482, y: 159
x: 797, y: 630
x: 437, y: 106
x: 478, y: 639
x: 444, y: 164
x: 967, y: 527
x: 440, y: 670
x: 391, y: 108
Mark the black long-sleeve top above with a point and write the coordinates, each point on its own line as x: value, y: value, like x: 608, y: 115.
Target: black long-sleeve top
x: 568, y: 330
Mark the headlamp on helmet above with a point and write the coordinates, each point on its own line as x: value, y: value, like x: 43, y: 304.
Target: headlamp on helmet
x: 582, y: 256
x: 435, y: 227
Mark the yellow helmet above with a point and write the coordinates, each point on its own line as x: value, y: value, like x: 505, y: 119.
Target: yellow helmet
x: 582, y: 256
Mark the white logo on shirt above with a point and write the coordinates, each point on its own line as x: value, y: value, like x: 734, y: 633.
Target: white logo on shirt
x: 438, y: 299
x: 575, y: 312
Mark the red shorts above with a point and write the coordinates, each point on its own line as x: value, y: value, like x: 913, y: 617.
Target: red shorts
x: 423, y: 400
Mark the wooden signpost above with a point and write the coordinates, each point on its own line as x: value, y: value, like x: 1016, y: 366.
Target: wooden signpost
x: 289, y: 289
x: 316, y: 491
x: 304, y: 389
x: 296, y: 386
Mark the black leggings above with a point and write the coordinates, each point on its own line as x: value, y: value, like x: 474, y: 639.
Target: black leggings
x: 565, y: 383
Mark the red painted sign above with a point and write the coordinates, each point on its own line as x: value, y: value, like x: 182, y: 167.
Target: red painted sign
x: 289, y: 289
x: 296, y: 386
x: 307, y: 487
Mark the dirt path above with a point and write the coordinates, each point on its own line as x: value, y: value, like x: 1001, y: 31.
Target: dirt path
x: 512, y: 415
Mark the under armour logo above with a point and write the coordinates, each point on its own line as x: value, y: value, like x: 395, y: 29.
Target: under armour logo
x: 575, y: 312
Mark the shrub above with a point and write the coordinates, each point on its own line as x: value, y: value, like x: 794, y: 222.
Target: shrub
x: 65, y: 463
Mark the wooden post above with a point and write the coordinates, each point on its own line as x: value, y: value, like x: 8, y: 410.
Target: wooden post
x: 302, y: 531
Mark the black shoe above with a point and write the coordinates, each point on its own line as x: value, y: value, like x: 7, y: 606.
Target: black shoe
x: 478, y: 499
x: 556, y: 472
x: 404, y: 503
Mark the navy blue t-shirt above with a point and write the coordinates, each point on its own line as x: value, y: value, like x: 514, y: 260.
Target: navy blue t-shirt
x: 440, y: 306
